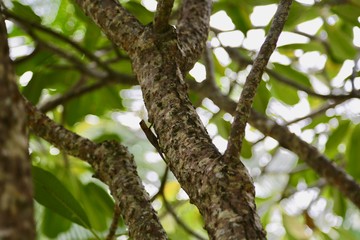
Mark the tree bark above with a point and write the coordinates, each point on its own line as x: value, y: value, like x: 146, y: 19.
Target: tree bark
x: 222, y: 190
x: 114, y: 165
x: 16, y: 199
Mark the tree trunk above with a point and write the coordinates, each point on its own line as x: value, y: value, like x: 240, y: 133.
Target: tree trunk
x: 16, y: 200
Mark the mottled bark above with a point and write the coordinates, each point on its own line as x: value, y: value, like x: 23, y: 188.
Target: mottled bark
x: 16, y: 191
x: 223, y: 191
x: 113, y: 165
x: 162, y: 15
x: 253, y: 80
x: 325, y: 168
x: 192, y: 30
x: 121, y: 27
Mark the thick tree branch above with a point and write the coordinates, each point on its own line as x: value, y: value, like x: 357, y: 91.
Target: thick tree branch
x: 224, y: 193
x: 119, y: 25
x: 113, y: 165
x: 192, y: 30
x: 162, y: 15
x: 253, y: 80
x: 16, y: 194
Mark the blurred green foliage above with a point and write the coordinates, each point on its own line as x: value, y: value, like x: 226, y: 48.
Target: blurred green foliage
x: 293, y: 201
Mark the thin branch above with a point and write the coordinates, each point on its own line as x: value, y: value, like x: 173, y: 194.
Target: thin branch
x: 192, y: 29
x: 162, y: 15
x: 242, y: 60
x: 162, y: 185
x: 354, y: 72
x: 179, y: 221
x: 114, y: 223
x: 78, y: 91
x: 113, y: 165
x: 29, y: 24
x: 253, y: 80
x: 317, y: 112
x: 209, y: 65
x: 325, y: 168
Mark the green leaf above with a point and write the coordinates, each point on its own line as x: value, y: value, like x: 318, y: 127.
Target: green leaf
x: 294, y: 75
x: 284, y: 92
x: 51, y: 193
x: 246, y: 149
x: 306, y: 47
x: 25, y: 12
x: 144, y: 15
x: 352, y: 153
x: 262, y: 98
x: 297, y: 16
x: 53, y: 224
x: 100, y: 202
x: 92, y: 35
x: 339, y: 203
x: 340, y: 43
x: 294, y: 226
x: 348, y: 12
x: 222, y: 125
x: 93, y: 103
x: 336, y: 137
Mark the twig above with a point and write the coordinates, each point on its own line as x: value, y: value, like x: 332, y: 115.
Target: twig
x: 253, y: 80
x: 76, y: 46
x: 162, y: 185
x: 179, y: 221
x: 162, y: 15
x: 241, y: 60
x: 318, y: 111
x: 114, y: 223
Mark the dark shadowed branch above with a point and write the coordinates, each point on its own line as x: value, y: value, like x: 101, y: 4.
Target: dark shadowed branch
x: 162, y: 15
x: 16, y: 194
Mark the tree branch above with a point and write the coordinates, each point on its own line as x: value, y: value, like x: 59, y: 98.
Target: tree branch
x: 224, y: 193
x: 28, y: 25
x: 241, y: 60
x: 119, y: 25
x: 16, y: 195
x: 333, y: 174
x: 192, y: 30
x: 253, y: 80
x: 162, y: 15
x: 113, y: 165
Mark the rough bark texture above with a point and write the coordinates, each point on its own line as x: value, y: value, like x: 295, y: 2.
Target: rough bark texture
x: 192, y: 30
x: 333, y: 174
x: 16, y: 199
x: 223, y: 191
x: 162, y: 15
x: 113, y: 165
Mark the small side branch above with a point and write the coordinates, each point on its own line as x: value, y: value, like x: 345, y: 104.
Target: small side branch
x: 193, y: 29
x: 253, y: 80
x: 162, y: 15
